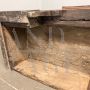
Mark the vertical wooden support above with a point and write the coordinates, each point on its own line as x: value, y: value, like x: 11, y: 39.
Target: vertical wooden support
x: 4, y: 49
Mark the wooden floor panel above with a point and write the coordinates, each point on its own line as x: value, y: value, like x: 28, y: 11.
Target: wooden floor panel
x: 55, y: 76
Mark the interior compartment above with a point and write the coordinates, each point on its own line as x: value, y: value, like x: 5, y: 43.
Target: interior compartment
x: 49, y: 49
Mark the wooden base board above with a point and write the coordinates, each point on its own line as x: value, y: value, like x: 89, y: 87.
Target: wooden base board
x: 55, y: 76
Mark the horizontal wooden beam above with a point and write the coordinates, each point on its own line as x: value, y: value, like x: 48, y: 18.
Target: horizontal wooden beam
x: 66, y: 14
x: 78, y: 18
x: 85, y: 24
x: 34, y: 23
x: 75, y: 15
x: 33, y: 14
x: 21, y: 16
x: 85, y: 7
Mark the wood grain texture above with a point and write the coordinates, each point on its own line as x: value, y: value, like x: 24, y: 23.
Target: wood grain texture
x: 76, y: 16
x: 84, y: 24
x: 61, y: 79
x: 76, y: 7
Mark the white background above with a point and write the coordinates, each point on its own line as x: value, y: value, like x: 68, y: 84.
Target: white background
x: 57, y: 4
x: 10, y: 5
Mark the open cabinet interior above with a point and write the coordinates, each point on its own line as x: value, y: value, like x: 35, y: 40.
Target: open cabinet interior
x: 57, y: 56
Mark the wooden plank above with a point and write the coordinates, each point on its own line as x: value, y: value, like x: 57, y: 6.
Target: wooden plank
x: 54, y: 76
x: 30, y: 18
x: 76, y: 7
x: 21, y: 16
x: 75, y: 15
x: 14, y: 54
x: 14, y: 16
x: 85, y: 24
x: 34, y: 14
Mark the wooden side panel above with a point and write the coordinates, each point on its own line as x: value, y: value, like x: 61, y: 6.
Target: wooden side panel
x: 13, y: 50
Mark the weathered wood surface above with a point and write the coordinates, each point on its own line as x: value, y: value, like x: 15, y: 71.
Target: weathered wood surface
x: 76, y: 13
x: 71, y: 15
x: 76, y: 7
x: 36, y: 18
x: 54, y: 76
x: 19, y: 16
x: 73, y: 52
x: 85, y: 24
x: 24, y: 18
x: 14, y: 16
x: 73, y: 80
x: 34, y: 14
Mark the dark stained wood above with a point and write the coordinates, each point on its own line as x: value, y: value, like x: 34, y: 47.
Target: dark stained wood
x: 14, y: 16
x: 76, y: 16
x: 34, y: 14
x: 11, y: 24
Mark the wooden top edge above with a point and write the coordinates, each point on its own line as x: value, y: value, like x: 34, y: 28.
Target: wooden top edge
x: 87, y: 7
x: 37, y: 13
